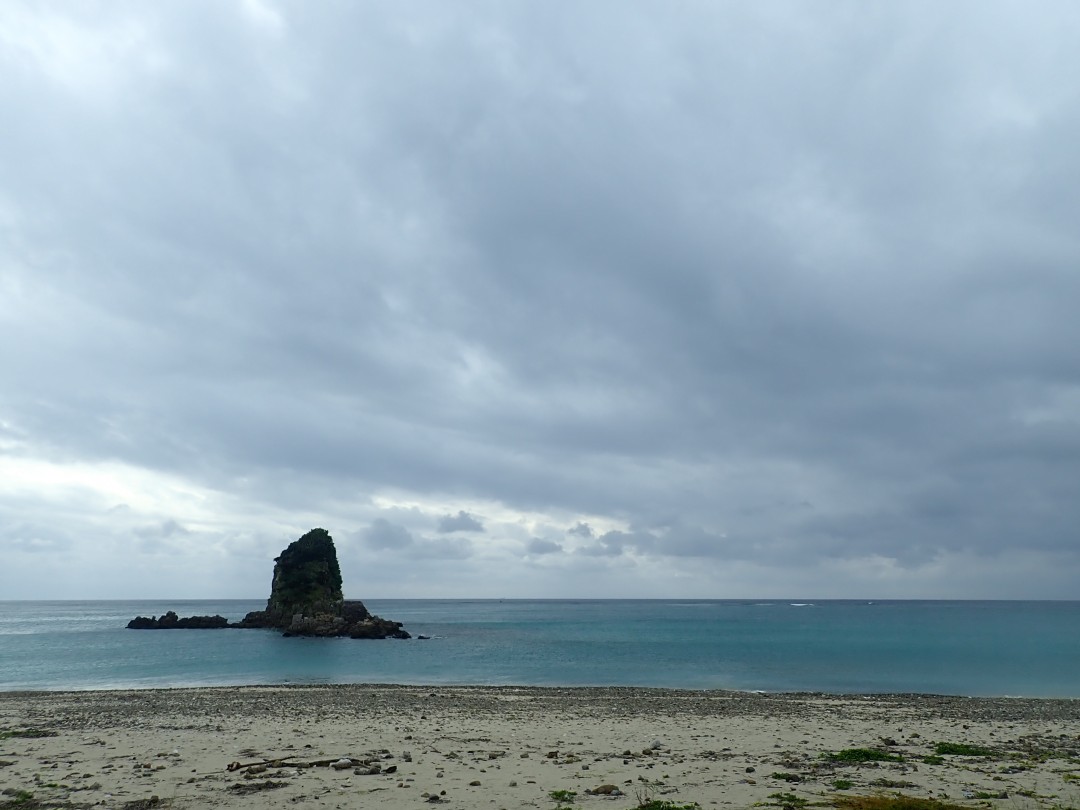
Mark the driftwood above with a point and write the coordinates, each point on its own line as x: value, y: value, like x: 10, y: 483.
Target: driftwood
x: 288, y: 762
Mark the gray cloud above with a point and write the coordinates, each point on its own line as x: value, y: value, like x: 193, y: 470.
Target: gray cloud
x: 540, y: 546
x: 581, y: 529
x: 28, y: 538
x: 461, y: 522
x: 808, y: 320
x: 382, y: 534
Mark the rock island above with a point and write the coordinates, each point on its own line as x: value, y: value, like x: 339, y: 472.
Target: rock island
x: 305, y: 600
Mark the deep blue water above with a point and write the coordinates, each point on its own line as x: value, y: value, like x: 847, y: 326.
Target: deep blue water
x: 961, y: 648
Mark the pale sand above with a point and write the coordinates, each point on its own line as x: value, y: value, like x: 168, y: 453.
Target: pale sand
x: 508, y: 747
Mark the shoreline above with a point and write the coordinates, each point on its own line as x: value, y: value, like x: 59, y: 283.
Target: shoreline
x: 196, y: 687
x: 512, y: 746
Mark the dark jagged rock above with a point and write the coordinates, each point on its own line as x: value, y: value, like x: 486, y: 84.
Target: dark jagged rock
x: 305, y: 599
x: 170, y: 621
x: 307, y: 581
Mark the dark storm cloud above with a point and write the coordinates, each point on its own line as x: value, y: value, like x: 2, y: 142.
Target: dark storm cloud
x: 719, y: 283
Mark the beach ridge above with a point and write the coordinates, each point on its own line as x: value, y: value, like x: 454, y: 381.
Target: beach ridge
x: 513, y: 746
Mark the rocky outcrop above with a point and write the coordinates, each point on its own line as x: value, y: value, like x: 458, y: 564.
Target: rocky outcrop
x: 307, y: 582
x: 170, y: 621
x: 305, y: 599
x: 353, y: 621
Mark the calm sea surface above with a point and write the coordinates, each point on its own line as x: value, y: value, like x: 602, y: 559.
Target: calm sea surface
x: 959, y: 648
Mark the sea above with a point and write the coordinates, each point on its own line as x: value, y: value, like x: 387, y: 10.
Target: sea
x: 973, y: 648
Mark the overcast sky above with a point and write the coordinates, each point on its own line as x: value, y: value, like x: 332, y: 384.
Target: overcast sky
x: 530, y: 299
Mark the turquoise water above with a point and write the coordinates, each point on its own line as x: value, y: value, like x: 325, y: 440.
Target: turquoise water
x: 961, y: 648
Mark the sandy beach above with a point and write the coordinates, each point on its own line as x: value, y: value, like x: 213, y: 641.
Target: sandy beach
x: 508, y: 747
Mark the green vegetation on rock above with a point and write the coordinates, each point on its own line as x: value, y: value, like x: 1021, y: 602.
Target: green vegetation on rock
x: 307, y: 577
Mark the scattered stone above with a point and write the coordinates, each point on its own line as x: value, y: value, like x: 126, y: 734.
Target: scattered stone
x: 255, y: 787
x: 605, y: 790
x: 142, y: 804
x: 474, y: 783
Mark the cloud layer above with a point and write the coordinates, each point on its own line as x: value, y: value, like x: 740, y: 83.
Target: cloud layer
x: 517, y: 300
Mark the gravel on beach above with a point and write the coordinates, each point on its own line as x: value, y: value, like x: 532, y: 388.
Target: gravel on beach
x: 503, y: 747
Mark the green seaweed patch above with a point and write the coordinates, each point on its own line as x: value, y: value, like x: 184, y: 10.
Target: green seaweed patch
x: 562, y: 796
x: 962, y: 750
x: 660, y: 804
x: 896, y: 802
x: 787, y: 777
x: 933, y: 759
x: 788, y: 800
x: 245, y: 788
x: 18, y: 798
x: 30, y: 733
x: 843, y: 784
x: 862, y: 755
